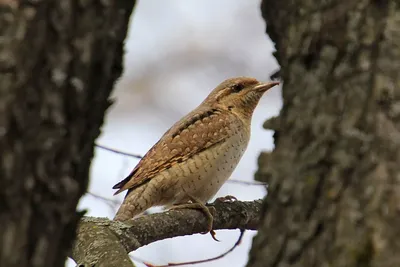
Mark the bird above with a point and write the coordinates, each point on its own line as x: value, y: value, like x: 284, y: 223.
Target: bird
x: 194, y: 158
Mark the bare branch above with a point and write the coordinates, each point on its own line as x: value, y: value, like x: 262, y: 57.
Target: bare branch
x: 112, y: 203
x: 233, y: 181
x: 109, y: 242
x: 118, y: 152
x: 237, y: 243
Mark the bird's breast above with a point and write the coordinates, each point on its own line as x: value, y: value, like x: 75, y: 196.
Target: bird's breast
x: 203, y: 174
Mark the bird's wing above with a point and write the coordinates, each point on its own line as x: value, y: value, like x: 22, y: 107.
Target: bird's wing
x: 197, y: 131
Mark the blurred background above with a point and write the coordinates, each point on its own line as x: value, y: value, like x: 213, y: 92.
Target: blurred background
x: 176, y: 53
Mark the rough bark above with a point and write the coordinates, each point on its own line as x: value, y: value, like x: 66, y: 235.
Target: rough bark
x: 334, y: 176
x: 58, y: 64
x: 102, y: 242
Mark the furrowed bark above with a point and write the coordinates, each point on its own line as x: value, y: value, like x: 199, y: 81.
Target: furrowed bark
x: 334, y: 187
x: 58, y: 63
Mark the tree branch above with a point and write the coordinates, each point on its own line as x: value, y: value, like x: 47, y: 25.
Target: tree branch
x: 105, y: 242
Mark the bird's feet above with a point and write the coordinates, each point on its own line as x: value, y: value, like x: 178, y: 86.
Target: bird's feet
x: 208, y: 211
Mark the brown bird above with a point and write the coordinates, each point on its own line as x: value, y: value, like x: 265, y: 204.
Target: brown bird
x: 193, y: 159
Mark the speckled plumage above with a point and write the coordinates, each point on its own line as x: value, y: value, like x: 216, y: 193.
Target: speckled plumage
x: 197, y: 154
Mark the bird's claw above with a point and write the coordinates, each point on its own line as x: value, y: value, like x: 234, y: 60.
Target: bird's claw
x: 227, y: 198
x: 212, y: 212
x: 209, y: 211
x: 213, y: 234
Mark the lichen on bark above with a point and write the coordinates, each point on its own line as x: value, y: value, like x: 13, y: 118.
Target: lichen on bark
x: 333, y: 195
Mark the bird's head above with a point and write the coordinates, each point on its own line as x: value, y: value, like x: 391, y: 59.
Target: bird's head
x: 239, y: 95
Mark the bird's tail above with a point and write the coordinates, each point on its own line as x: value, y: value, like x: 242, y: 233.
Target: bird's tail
x: 133, y: 205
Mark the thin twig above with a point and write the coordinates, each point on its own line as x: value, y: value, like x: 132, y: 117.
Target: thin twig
x: 245, y: 182
x: 237, y: 243
x: 118, y: 151
x: 112, y: 203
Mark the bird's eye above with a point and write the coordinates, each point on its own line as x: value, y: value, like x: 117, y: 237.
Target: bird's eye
x: 237, y: 87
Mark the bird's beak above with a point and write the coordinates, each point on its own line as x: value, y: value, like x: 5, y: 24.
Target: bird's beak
x: 263, y: 87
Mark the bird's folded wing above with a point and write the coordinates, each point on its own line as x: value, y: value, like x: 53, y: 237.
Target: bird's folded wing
x: 194, y: 133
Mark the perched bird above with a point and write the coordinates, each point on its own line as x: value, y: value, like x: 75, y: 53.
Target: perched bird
x: 193, y: 159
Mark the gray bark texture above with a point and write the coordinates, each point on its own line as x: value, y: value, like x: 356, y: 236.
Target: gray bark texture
x: 58, y: 63
x: 334, y: 176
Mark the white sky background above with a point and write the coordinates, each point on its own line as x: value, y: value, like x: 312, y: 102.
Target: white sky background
x: 176, y: 53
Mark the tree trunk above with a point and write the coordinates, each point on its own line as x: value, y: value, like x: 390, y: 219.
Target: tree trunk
x: 58, y: 63
x: 334, y: 176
